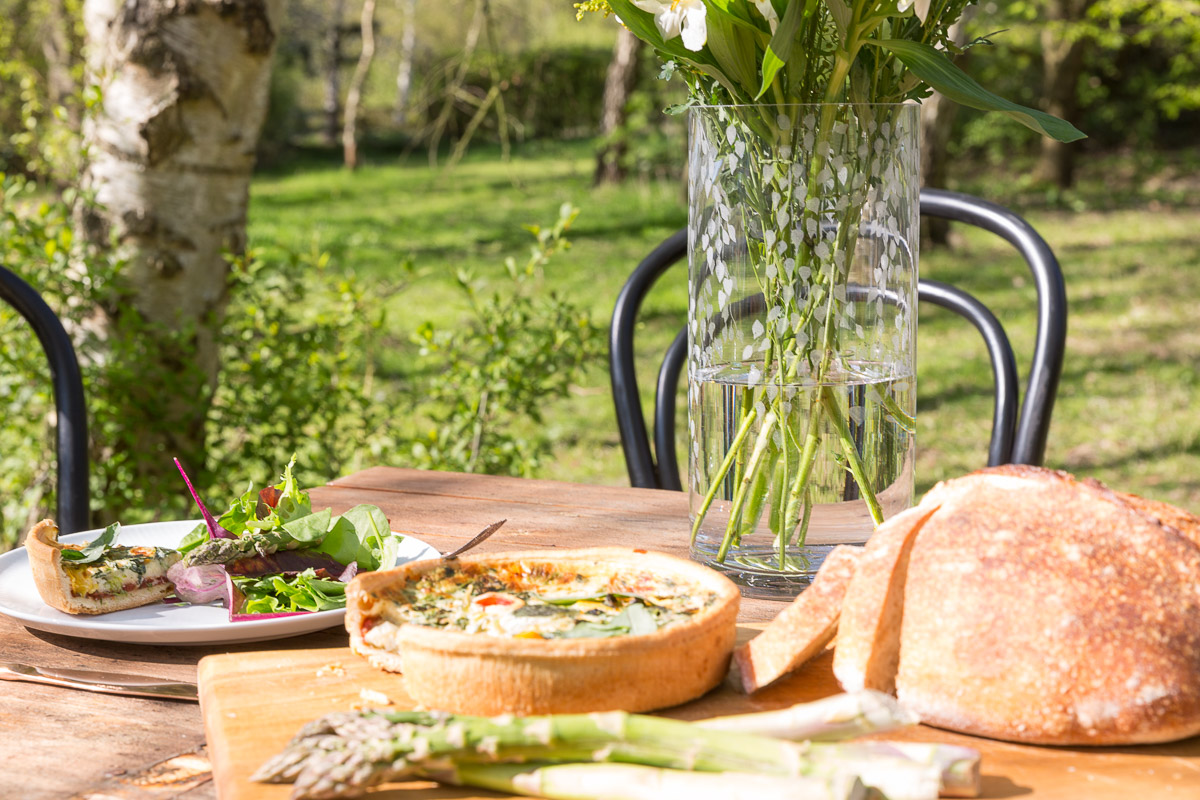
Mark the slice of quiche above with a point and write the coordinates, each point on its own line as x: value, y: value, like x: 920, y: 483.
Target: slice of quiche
x: 98, y: 577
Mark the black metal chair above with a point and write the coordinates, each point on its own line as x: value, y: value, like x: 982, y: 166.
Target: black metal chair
x: 71, y: 408
x: 1017, y: 436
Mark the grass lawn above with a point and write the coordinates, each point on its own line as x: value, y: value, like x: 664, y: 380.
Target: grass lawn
x: 1127, y: 404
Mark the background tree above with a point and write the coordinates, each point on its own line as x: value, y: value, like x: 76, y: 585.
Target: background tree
x: 1064, y: 42
x: 332, y: 63
x: 171, y: 149
x: 354, y: 93
x: 619, y: 84
x: 408, y: 50
x: 937, y: 123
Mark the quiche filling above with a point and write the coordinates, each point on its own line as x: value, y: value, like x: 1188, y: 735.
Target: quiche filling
x: 536, y: 601
x: 119, y: 571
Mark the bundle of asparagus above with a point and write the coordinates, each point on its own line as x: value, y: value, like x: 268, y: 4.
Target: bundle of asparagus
x: 621, y: 756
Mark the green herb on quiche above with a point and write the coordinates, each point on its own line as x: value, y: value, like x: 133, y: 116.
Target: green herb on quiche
x: 94, y: 549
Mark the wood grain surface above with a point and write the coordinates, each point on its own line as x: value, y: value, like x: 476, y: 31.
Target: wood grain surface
x: 254, y: 703
x: 61, y: 743
x: 116, y: 742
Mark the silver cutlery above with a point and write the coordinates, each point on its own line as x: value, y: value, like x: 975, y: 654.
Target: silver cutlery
x: 94, y: 681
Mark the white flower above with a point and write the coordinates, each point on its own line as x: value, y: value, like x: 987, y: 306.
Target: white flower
x: 922, y: 7
x: 768, y: 11
x: 676, y: 17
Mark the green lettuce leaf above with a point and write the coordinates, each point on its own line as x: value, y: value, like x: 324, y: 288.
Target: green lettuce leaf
x: 275, y: 594
x: 310, y: 528
x: 197, y: 537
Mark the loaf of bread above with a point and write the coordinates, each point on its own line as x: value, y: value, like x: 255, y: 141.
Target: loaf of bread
x: 1042, y: 608
x: 1025, y: 604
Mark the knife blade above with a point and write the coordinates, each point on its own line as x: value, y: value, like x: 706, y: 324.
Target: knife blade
x: 106, y: 682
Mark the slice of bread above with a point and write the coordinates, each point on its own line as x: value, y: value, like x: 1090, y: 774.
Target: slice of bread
x: 868, y: 639
x: 803, y: 629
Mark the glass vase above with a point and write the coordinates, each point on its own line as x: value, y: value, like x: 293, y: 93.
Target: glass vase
x: 803, y: 225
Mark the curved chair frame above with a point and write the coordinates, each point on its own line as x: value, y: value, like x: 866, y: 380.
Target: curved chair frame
x: 1015, y: 438
x: 69, y: 403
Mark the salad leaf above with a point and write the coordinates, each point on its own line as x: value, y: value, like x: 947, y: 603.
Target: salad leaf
x: 364, y: 535
x: 275, y: 594
x: 310, y: 528
x: 215, y: 530
x: 292, y: 503
x: 255, y: 566
x: 93, y: 549
x: 342, y: 542
x: 197, y: 537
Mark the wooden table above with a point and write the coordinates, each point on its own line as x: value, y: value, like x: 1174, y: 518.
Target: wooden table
x: 59, y: 743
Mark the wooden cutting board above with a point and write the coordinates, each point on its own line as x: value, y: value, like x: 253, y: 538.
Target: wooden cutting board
x: 254, y: 702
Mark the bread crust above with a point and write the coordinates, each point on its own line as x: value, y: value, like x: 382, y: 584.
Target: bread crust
x: 803, y: 629
x: 1046, y: 609
x: 45, y: 562
x: 488, y: 675
x: 868, y: 637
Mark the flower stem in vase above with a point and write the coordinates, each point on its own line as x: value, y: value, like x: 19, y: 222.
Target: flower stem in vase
x: 793, y: 305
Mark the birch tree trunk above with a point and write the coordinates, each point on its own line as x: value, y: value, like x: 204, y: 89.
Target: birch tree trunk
x: 408, y: 49
x: 171, y: 148
x: 354, y: 94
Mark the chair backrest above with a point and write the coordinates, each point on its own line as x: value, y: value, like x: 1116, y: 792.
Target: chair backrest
x: 70, y: 406
x: 1016, y: 437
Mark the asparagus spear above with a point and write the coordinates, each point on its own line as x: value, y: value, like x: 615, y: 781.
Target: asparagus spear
x: 841, y: 716
x: 958, y: 766
x: 636, y: 782
x: 374, y: 748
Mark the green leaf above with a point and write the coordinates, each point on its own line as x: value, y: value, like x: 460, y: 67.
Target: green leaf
x: 734, y: 48
x: 363, y: 535
x: 197, y: 537
x: 780, y: 48
x: 641, y: 24
x: 933, y: 67
x: 274, y: 594
x: 95, y: 548
x: 341, y: 543
x: 311, y: 528
x: 293, y: 503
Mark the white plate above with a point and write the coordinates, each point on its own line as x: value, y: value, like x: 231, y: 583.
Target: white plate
x: 159, y: 623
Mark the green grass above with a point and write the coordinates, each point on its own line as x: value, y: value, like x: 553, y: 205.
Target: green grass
x: 1128, y: 244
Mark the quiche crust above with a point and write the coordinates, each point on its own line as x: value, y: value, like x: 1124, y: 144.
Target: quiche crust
x: 53, y: 578
x: 477, y: 673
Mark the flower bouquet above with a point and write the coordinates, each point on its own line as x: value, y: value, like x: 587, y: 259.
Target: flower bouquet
x: 803, y: 219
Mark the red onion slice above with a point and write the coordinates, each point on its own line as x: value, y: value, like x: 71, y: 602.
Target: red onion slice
x: 198, y: 585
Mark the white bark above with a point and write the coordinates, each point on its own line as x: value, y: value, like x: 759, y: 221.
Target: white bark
x: 170, y: 150
x: 354, y: 95
x: 408, y: 49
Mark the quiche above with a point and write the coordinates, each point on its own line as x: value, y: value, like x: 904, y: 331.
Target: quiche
x: 111, y: 578
x: 547, y: 632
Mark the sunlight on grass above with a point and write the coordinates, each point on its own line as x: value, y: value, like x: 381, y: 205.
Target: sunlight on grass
x: 1126, y: 412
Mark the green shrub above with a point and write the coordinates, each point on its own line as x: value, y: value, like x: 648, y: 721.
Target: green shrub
x: 491, y: 378
x: 299, y: 345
